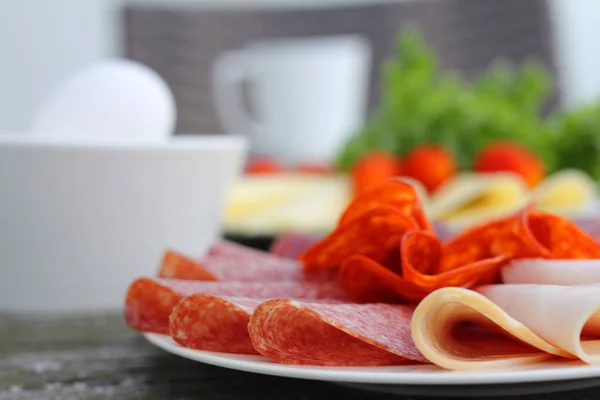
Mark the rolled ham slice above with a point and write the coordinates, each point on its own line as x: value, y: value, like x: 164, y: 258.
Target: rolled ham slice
x: 552, y: 272
x: 508, y: 325
x: 150, y: 301
x: 295, y: 332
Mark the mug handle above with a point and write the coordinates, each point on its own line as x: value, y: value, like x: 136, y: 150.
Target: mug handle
x: 230, y: 70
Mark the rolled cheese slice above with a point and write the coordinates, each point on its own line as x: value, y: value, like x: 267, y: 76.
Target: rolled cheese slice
x: 471, y: 198
x: 569, y: 192
x: 502, y: 326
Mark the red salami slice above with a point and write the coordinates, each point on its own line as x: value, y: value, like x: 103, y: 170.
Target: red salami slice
x: 294, y: 332
x: 177, y: 266
x: 228, y: 268
x: 228, y: 261
x: 234, y: 250
x: 150, y: 301
x: 214, y: 323
x: 291, y: 245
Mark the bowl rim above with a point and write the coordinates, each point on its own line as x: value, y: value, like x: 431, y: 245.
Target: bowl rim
x: 180, y: 141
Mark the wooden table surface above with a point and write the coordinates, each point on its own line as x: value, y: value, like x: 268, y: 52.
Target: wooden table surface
x: 98, y: 357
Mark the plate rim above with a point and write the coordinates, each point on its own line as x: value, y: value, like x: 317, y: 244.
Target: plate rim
x: 351, y: 375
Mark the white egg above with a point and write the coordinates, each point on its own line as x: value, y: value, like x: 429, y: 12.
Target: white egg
x: 114, y: 98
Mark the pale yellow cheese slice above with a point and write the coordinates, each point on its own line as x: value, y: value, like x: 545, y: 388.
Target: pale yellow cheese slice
x: 569, y: 192
x: 254, y: 193
x: 310, y: 204
x: 472, y: 198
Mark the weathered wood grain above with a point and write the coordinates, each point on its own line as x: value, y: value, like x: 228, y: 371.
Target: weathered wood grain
x: 98, y: 357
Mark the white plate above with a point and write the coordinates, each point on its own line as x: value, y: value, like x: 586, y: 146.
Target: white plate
x: 414, y: 379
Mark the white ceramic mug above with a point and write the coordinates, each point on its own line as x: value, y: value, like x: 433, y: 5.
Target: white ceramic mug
x: 81, y: 218
x: 308, y: 95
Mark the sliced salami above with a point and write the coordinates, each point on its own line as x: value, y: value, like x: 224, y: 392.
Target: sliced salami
x: 214, y: 323
x: 228, y: 261
x: 294, y: 332
x: 177, y: 266
x: 291, y: 245
x: 150, y: 301
x: 236, y: 250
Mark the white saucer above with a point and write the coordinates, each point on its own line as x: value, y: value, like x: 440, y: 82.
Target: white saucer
x: 415, y: 379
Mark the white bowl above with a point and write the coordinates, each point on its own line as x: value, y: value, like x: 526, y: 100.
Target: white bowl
x: 80, y: 219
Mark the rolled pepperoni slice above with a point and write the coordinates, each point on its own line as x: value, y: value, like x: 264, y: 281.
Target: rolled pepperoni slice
x: 394, y: 192
x: 375, y: 234
x: 422, y: 253
x: 367, y: 281
x: 555, y: 237
x: 500, y: 237
x: 150, y: 301
x: 294, y: 332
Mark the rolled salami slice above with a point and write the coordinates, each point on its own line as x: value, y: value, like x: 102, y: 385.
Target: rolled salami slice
x: 508, y: 325
x: 150, y: 301
x: 295, y: 332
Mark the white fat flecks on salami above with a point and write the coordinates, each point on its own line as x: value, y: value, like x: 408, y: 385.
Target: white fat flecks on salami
x: 216, y: 323
x: 150, y: 301
x: 291, y: 245
x: 226, y: 261
x: 295, y: 332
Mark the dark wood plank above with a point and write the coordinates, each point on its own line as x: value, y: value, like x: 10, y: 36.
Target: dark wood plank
x: 98, y: 357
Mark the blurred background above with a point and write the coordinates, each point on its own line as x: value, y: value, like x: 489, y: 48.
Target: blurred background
x: 319, y: 85
x: 332, y: 96
x: 44, y: 42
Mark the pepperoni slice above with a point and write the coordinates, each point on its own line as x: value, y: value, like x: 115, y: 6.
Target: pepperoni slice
x: 150, y: 301
x: 495, y: 238
x: 392, y: 192
x: 294, y: 332
x: 375, y: 234
x: 556, y: 237
x: 422, y: 253
x: 370, y: 282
